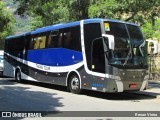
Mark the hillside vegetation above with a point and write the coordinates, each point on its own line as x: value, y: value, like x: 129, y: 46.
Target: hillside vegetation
x: 39, y: 13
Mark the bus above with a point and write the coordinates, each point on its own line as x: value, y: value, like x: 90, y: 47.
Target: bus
x: 93, y: 54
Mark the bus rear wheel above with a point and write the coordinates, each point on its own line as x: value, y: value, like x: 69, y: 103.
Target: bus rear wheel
x: 74, y: 84
x: 18, y: 76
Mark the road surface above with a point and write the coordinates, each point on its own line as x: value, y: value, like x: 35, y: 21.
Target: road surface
x: 31, y: 96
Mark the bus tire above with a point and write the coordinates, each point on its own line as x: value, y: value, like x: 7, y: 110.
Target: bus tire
x: 18, y: 76
x: 74, y: 84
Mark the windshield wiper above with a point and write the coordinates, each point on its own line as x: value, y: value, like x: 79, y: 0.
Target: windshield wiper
x: 127, y: 58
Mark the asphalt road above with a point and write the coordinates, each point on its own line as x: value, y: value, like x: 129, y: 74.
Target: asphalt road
x: 31, y: 96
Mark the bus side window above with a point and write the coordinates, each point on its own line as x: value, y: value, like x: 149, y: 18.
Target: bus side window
x: 35, y: 42
x: 31, y: 44
x: 71, y: 38
x: 53, y: 39
x: 67, y: 40
x: 60, y: 40
x: 39, y: 42
x: 76, y: 40
x: 49, y: 44
x: 42, y: 41
x: 27, y: 42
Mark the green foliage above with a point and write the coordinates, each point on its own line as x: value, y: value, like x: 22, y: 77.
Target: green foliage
x: 22, y: 25
x: 156, y: 34
x: 48, y: 12
x: 147, y: 30
x: 78, y: 9
x: 55, y: 11
x: 9, y: 3
x: 128, y: 10
x: 103, y: 9
x: 6, y: 23
x: 35, y: 22
x: 151, y: 31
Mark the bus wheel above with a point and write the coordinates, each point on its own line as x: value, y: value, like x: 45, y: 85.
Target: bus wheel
x: 74, y: 84
x: 18, y: 76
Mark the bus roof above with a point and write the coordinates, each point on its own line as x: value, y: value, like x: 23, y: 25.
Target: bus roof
x: 18, y: 35
x: 109, y: 20
x: 61, y: 25
x: 54, y: 27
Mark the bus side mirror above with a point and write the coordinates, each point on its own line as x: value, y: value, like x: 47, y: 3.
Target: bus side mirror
x: 110, y: 41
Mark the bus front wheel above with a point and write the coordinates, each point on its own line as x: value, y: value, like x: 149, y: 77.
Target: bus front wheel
x: 74, y: 84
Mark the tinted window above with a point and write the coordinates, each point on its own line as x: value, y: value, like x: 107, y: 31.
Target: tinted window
x: 68, y: 38
x: 91, y: 32
x: 116, y: 29
x: 98, y: 60
x: 16, y: 44
x: 135, y: 33
x: 38, y: 41
x: 53, y: 39
x: 75, y: 38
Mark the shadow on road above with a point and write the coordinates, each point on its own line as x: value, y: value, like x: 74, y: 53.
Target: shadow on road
x: 120, y: 96
x: 17, y: 98
x: 46, y: 85
x: 108, y: 96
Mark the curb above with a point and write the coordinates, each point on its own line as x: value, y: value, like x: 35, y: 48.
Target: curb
x: 154, y: 81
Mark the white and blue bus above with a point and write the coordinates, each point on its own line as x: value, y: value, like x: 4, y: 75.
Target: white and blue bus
x: 94, y: 54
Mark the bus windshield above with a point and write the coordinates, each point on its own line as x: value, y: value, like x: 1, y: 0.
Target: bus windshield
x: 129, y: 43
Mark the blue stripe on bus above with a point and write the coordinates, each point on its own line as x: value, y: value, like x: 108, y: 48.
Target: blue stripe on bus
x: 55, y: 56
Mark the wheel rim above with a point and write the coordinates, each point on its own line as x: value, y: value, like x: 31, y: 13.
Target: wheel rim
x: 75, y: 83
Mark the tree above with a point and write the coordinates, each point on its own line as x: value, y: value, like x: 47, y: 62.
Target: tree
x: 6, y: 23
x: 151, y: 31
x: 78, y: 9
x: 54, y: 11
x: 103, y: 9
x: 128, y: 10
x: 49, y: 11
